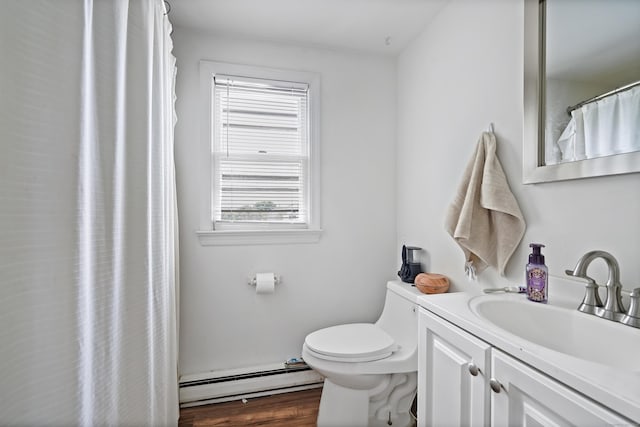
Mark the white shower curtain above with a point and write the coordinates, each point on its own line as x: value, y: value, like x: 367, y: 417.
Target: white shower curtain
x: 88, y: 302
x: 603, y: 128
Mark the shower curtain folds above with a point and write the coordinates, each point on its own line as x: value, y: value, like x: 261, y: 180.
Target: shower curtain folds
x: 604, y: 127
x: 88, y: 198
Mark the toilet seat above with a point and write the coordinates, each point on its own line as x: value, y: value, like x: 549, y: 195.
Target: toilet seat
x: 356, y: 342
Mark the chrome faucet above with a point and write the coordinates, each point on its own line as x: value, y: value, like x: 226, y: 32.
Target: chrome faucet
x: 613, y: 308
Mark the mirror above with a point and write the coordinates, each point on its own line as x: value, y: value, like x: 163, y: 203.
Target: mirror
x: 577, y: 51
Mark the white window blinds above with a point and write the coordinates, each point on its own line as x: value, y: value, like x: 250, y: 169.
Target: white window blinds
x: 260, y: 151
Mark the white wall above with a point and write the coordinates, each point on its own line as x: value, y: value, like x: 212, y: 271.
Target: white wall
x: 462, y: 73
x: 224, y: 324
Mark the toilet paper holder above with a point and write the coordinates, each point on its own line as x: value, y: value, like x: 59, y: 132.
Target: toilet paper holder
x: 252, y: 280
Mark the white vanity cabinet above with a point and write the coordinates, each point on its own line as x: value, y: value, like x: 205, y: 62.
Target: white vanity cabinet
x: 504, y: 391
x: 452, y: 375
x: 527, y: 397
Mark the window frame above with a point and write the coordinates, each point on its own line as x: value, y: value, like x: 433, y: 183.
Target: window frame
x: 212, y: 233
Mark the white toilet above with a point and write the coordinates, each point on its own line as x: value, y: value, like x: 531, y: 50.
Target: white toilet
x: 369, y: 369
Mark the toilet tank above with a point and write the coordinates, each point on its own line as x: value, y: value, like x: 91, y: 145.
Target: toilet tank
x: 399, y: 316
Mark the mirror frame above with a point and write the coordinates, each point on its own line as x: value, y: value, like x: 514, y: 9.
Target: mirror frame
x: 533, y: 168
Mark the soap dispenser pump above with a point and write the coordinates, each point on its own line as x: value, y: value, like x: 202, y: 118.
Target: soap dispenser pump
x: 537, y: 275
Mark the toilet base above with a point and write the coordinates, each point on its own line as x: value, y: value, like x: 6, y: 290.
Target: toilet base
x: 389, y: 401
x: 343, y: 407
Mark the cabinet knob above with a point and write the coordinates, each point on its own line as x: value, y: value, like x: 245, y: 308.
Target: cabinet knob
x: 495, y: 385
x: 473, y: 369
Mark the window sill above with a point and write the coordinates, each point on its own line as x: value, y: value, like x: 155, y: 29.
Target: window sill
x: 258, y: 237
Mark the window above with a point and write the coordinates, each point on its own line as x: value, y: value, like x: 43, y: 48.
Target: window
x: 260, y: 151
x: 262, y: 142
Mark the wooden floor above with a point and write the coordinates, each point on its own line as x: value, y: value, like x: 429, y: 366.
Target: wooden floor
x: 297, y: 409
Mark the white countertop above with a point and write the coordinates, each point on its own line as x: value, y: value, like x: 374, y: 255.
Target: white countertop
x: 615, y: 388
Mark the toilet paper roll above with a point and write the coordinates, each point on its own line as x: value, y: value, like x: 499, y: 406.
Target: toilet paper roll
x: 265, y: 283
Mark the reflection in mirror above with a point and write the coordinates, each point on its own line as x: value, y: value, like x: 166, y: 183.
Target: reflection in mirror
x: 581, y: 101
x: 592, y: 85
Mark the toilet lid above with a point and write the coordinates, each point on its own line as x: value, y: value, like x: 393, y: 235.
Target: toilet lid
x: 356, y: 342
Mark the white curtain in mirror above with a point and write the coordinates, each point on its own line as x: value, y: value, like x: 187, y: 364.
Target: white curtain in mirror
x: 606, y: 127
x: 88, y: 314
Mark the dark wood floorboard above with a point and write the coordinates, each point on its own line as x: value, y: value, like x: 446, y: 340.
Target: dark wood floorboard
x: 297, y: 409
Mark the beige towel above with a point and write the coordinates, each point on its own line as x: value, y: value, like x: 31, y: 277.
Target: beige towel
x: 484, y: 218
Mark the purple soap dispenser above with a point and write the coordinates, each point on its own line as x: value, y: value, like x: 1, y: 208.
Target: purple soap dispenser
x: 537, y: 275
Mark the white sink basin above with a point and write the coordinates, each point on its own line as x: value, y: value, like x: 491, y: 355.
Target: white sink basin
x: 571, y: 332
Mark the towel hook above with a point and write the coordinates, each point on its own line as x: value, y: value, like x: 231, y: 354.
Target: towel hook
x: 491, y: 127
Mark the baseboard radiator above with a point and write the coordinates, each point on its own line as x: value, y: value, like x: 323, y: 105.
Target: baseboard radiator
x: 236, y: 384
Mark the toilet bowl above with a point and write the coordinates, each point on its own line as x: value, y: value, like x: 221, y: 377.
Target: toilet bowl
x: 369, y: 368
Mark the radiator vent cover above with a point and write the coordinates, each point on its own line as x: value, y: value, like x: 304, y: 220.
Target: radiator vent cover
x: 222, y: 386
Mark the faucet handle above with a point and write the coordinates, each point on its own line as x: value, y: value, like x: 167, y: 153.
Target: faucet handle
x: 632, y: 318
x: 591, y: 300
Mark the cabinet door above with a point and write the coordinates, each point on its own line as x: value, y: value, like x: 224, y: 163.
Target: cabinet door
x: 527, y: 397
x: 449, y: 393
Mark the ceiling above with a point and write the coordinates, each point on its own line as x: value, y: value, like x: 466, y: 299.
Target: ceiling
x: 376, y: 26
